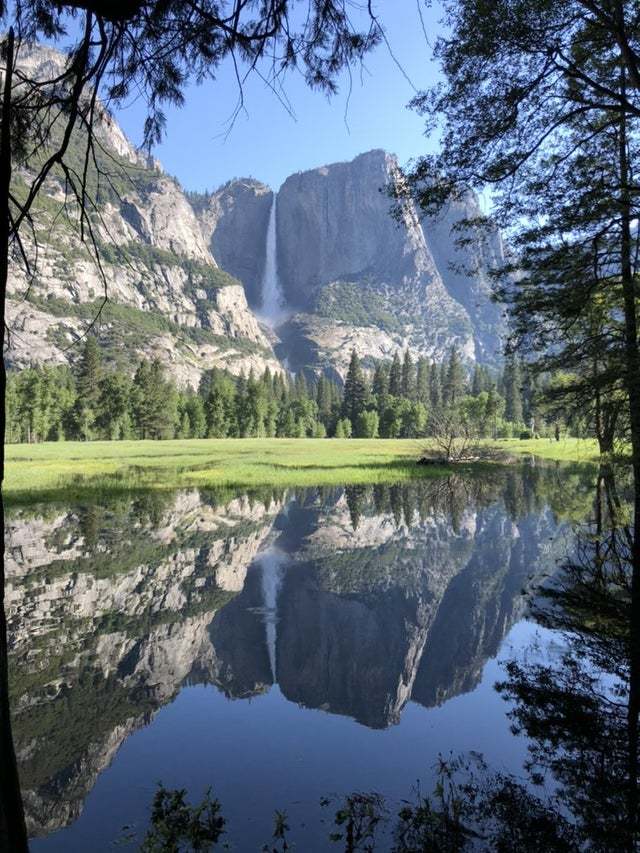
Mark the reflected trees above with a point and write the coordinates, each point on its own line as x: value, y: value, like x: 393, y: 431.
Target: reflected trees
x: 579, y: 708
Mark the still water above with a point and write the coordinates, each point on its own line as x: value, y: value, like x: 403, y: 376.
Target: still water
x: 280, y: 648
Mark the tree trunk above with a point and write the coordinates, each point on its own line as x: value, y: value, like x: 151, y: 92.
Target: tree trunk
x: 632, y: 380
x: 13, y: 835
x: 606, y: 438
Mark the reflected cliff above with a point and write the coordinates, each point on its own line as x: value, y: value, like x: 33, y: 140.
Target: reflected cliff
x: 354, y: 601
x: 109, y: 614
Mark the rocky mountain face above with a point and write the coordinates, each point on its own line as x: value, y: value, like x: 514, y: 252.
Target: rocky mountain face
x: 185, y: 273
x: 352, y: 275
x: 167, y: 295
x: 466, y: 266
x: 234, y: 223
x: 353, y: 602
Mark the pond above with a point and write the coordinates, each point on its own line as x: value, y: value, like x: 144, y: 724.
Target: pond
x: 285, y: 648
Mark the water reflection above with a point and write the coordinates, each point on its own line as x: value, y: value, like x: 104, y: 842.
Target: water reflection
x: 579, y: 709
x: 354, y: 601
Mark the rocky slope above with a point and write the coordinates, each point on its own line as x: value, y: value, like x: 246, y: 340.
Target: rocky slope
x: 168, y: 297
x: 465, y: 269
x: 234, y: 224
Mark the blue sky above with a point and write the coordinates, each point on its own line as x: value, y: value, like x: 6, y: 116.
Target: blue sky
x: 269, y: 144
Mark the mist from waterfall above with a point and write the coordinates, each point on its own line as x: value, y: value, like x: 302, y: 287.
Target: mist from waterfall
x: 272, y: 309
x: 272, y: 564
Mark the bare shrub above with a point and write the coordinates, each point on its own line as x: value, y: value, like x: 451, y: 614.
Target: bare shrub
x: 452, y: 435
x: 455, y: 439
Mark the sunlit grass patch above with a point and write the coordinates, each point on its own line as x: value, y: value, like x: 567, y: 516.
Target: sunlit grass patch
x: 72, y: 468
x: 109, y: 466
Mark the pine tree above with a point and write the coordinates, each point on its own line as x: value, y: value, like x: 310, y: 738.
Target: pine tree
x: 12, y: 399
x: 534, y: 414
x: 271, y: 419
x: 194, y: 409
x: 512, y: 383
x: 435, y: 386
x: 355, y: 390
x: 256, y: 408
x: 88, y: 389
x: 287, y: 427
x: 455, y: 381
x: 529, y: 395
x: 280, y: 388
x: 32, y: 405
x: 390, y: 419
x: 300, y: 387
x: 184, y: 426
x: 204, y: 386
x: 220, y: 407
x: 443, y: 371
x: 422, y: 382
x: 114, y: 419
x: 324, y: 400
x: 395, y: 377
x: 241, y: 408
x: 380, y: 384
x: 477, y: 383
x: 408, y: 377
x: 89, y: 373
x: 154, y: 402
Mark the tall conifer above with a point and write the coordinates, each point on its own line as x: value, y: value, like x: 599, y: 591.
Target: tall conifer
x: 408, y: 376
x: 355, y: 390
x: 455, y: 379
x: 395, y: 377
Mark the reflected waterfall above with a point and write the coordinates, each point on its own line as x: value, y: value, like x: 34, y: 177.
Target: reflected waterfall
x: 272, y: 565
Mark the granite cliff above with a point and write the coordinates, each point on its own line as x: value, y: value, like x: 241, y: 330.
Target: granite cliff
x: 351, y: 274
x: 168, y: 298
x: 203, y: 280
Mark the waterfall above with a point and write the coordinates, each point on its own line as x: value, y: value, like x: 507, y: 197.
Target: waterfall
x: 272, y: 565
x: 272, y: 309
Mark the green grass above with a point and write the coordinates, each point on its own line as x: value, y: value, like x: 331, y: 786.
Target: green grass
x: 42, y: 470
x: 565, y: 450
x: 71, y: 469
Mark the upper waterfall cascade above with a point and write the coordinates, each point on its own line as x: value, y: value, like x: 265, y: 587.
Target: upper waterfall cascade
x: 273, y: 302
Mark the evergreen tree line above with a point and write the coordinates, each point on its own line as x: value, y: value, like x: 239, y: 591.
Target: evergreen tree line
x: 395, y: 400
x: 403, y: 397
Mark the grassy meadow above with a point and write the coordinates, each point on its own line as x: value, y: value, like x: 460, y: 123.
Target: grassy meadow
x: 40, y: 471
